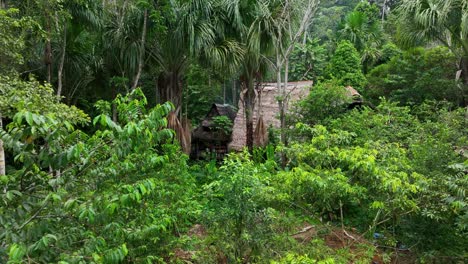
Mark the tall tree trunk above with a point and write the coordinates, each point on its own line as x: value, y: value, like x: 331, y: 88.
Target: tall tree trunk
x: 464, y: 76
x: 170, y: 89
x: 249, y: 105
x: 62, y: 62
x: 142, y: 51
x: 234, y: 94
x: 283, y: 108
x: 464, y: 68
x: 48, y: 50
x: 224, y: 92
x: 2, y: 153
x: 384, y: 11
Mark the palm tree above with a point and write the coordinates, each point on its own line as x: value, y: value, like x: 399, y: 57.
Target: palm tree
x: 76, y: 45
x: 444, y: 21
x: 366, y: 37
x: 254, y: 28
x: 196, y: 30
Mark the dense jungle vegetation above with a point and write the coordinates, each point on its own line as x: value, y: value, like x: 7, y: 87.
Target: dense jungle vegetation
x: 95, y: 96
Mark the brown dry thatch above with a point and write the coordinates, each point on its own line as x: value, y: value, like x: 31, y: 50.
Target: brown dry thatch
x: 181, y: 131
x: 261, y: 133
x: 205, y: 131
x: 187, y: 130
x: 267, y: 108
x: 207, y: 138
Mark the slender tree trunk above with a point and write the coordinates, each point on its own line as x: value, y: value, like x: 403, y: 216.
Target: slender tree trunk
x: 249, y: 105
x: 142, y: 51
x: 384, y: 10
x: 464, y: 76
x: 283, y: 104
x: 464, y: 68
x: 48, y: 46
x: 2, y: 152
x: 48, y: 50
x: 282, y: 58
x: 234, y: 94
x: 62, y: 62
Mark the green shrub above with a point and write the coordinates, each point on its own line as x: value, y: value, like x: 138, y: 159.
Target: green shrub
x: 345, y: 66
x: 119, y: 194
x: 326, y: 100
x: 415, y: 76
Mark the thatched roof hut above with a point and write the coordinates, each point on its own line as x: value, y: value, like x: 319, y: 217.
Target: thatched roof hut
x: 355, y: 96
x: 266, y: 106
x: 207, y: 138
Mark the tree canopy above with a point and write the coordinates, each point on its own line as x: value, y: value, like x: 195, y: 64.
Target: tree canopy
x: 116, y: 118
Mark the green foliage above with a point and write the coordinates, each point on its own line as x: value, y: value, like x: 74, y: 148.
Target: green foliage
x: 118, y: 190
x: 116, y: 195
x: 434, y: 20
x: 304, y: 259
x: 12, y: 39
x: 326, y: 100
x: 428, y: 137
x: 417, y: 75
x: 238, y: 211
x: 307, y: 61
x: 203, y: 89
x: 345, y: 66
x: 362, y: 27
x: 31, y: 96
x: 330, y: 171
x: 223, y: 124
x: 389, y: 50
x: 331, y: 13
x: 371, y: 11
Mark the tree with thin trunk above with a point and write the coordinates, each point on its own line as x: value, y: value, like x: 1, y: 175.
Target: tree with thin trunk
x: 294, y: 20
x: 141, y: 59
x: 252, y: 27
x: 62, y: 62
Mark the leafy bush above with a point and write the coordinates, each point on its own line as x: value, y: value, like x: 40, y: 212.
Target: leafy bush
x: 345, y: 66
x: 119, y: 194
x: 307, y: 61
x: 326, y: 100
x: 417, y: 75
x: 429, y: 137
x: 329, y: 172
x: 223, y: 124
x: 237, y: 212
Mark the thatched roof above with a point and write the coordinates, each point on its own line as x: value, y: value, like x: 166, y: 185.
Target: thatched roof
x: 266, y: 106
x: 225, y: 110
x: 205, y: 132
x: 353, y: 93
x: 218, y: 110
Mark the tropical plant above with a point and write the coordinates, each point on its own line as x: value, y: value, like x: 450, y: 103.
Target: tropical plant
x: 12, y: 44
x: 308, y: 61
x: 443, y: 21
x: 345, y: 66
x: 237, y: 211
x: 326, y: 100
x: 126, y: 203
x: 417, y: 75
x: 362, y: 27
